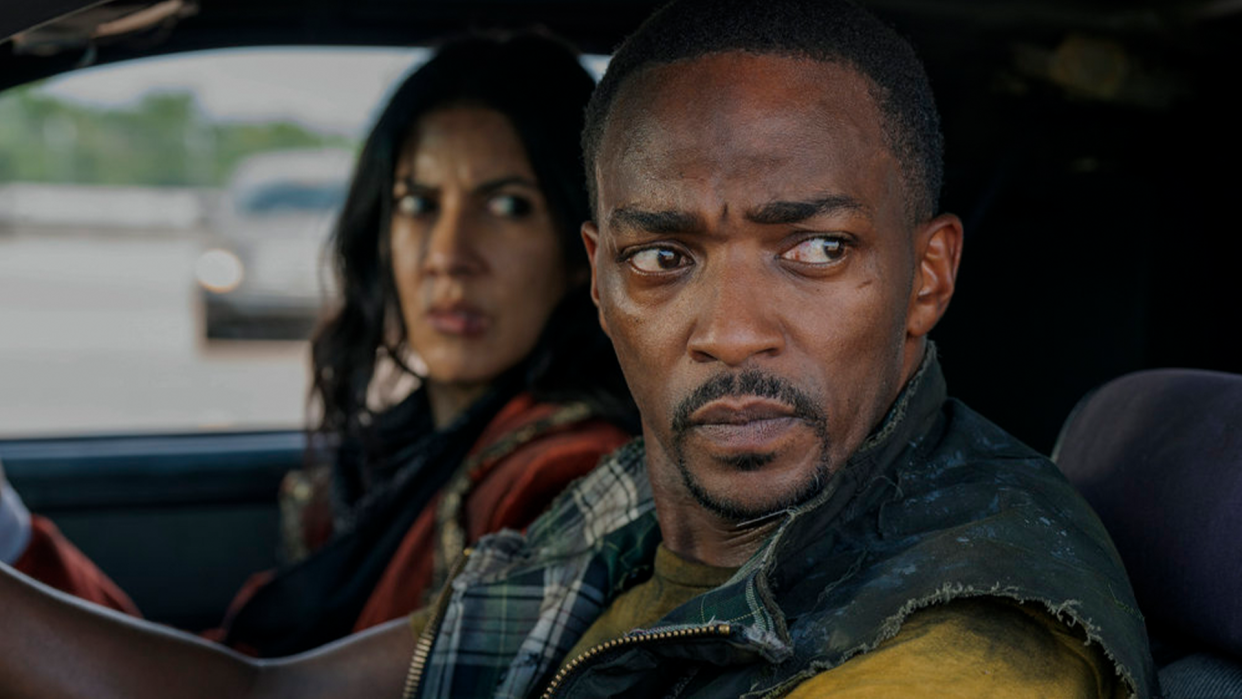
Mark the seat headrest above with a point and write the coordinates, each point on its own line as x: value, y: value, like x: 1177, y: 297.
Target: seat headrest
x: 1158, y: 454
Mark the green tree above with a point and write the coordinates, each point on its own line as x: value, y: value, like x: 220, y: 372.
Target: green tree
x: 162, y: 140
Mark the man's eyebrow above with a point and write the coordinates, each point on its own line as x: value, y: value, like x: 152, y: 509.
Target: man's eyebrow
x: 662, y: 222
x: 786, y: 212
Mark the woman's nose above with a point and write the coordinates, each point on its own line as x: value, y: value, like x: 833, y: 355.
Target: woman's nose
x: 451, y: 246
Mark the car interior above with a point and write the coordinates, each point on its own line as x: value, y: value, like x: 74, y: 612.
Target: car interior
x: 1158, y: 454
x: 1092, y: 151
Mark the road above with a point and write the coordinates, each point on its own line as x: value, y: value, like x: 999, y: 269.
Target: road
x: 101, y: 334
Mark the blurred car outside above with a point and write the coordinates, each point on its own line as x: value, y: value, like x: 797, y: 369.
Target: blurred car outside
x: 261, y: 272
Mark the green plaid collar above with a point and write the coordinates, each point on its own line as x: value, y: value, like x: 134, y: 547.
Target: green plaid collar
x: 520, y: 603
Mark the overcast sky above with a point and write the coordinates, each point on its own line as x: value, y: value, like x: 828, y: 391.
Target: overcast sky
x: 332, y: 89
x: 335, y: 89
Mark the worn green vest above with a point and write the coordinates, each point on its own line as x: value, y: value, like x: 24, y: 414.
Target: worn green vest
x: 937, y: 504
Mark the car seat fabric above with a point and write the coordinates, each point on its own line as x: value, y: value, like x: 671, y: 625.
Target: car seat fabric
x: 1158, y: 454
x: 1202, y: 675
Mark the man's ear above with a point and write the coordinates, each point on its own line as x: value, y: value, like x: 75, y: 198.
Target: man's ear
x: 938, y: 250
x: 590, y: 238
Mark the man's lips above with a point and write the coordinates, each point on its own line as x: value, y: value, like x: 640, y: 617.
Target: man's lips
x: 749, y: 425
x: 457, y: 319
x: 740, y: 411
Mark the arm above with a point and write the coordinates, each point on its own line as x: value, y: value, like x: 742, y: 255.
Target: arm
x: 55, y: 645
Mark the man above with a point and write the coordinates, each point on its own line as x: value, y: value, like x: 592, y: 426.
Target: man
x: 806, y: 514
x: 768, y: 264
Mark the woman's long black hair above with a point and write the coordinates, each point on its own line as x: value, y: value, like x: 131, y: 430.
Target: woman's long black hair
x: 537, y: 83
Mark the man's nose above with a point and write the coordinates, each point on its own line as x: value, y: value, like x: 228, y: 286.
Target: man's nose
x: 452, y: 246
x: 735, y: 319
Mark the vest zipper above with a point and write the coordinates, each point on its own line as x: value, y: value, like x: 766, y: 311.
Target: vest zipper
x: 625, y: 642
x: 427, y: 639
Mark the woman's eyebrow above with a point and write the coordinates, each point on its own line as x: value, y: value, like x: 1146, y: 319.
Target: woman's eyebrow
x: 406, y: 184
x: 787, y: 212
x: 507, y: 181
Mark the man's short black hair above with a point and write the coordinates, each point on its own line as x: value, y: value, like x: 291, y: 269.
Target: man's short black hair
x: 834, y: 31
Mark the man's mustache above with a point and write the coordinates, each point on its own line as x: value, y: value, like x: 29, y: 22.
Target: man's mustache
x: 751, y: 382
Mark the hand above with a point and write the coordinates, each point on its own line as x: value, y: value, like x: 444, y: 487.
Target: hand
x: 4, y: 485
x: 14, y: 522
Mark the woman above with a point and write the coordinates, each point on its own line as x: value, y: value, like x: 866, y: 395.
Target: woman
x: 458, y: 253
x: 479, y: 273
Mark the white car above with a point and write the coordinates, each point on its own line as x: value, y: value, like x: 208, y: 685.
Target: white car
x: 261, y: 271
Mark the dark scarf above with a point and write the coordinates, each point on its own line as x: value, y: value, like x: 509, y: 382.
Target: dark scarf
x: 380, y: 489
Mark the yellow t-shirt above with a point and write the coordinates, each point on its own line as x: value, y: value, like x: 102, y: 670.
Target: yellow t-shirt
x: 974, y: 647
x: 673, y: 582
x: 981, y: 647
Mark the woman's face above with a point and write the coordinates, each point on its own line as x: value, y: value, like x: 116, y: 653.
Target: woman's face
x: 475, y: 255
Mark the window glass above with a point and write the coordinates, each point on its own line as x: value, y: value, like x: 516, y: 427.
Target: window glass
x: 161, y: 233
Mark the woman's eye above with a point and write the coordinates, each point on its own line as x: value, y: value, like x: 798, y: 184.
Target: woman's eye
x: 822, y: 250
x: 414, y: 205
x: 658, y: 260
x: 509, y: 206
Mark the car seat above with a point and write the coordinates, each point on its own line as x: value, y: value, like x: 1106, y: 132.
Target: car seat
x: 1158, y: 454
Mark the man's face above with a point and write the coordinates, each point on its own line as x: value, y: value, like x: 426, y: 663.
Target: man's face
x: 756, y: 270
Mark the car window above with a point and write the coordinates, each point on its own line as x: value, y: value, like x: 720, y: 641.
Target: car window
x: 161, y: 234
x: 277, y: 198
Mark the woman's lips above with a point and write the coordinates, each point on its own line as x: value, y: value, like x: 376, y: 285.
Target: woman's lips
x: 458, y: 319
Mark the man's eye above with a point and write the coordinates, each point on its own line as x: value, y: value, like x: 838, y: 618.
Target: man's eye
x: 509, y: 206
x: 822, y: 250
x: 414, y: 205
x: 658, y: 260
